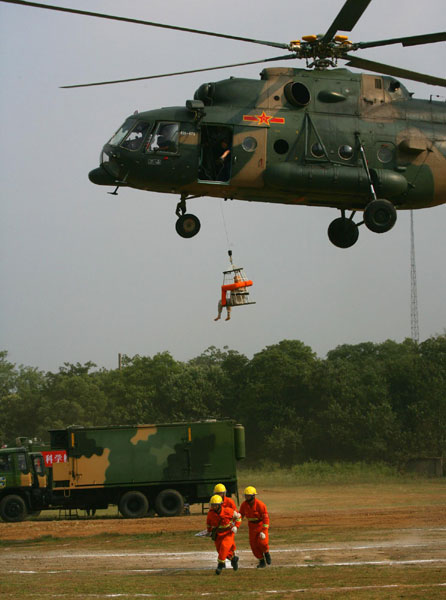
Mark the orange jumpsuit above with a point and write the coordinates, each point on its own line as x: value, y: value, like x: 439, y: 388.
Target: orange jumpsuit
x: 258, y: 521
x: 224, y: 521
x: 229, y: 503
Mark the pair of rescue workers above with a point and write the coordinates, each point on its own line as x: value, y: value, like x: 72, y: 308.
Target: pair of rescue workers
x: 223, y: 521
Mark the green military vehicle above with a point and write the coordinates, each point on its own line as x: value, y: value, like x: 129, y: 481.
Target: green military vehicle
x: 142, y: 469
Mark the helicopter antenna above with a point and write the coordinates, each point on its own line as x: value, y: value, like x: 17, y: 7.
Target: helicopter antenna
x: 415, y: 333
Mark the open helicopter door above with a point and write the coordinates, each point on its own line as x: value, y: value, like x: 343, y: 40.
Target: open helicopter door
x: 234, y: 291
x: 215, y: 154
x: 248, y: 156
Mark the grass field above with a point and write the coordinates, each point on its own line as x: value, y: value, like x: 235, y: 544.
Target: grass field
x: 381, y: 536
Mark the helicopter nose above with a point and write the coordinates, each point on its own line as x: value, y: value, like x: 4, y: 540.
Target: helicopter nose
x: 99, y: 176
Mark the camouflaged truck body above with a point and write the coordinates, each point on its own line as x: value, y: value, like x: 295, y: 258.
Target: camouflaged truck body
x: 295, y: 138
x: 143, y: 469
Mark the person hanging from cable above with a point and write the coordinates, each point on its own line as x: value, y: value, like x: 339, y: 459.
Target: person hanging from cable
x: 233, y: 290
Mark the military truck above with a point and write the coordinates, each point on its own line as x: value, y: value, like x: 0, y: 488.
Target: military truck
x: 143, y: 469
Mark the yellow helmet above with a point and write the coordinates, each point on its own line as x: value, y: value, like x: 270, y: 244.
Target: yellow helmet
x: 250, y: 491
x: 219, y: 488
x: 216, y: 499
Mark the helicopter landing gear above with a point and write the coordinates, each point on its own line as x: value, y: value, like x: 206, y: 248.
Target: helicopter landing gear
x: 380, y: 216
x: 187, y: 225
x: 343, y: 232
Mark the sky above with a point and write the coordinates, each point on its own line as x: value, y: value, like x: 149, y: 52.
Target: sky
x: 86, y: 275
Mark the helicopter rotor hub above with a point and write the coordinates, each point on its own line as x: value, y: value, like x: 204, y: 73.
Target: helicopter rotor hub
x: 322, y: 54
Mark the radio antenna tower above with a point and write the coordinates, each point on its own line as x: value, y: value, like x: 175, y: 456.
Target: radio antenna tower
x: 415, y: 333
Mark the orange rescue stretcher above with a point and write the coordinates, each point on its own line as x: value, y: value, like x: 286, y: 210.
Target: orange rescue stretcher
x: 234, y: 289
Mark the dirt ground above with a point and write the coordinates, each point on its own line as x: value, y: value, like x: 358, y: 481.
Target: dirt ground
x: 432, y: 517
x: 400, y: 535
x: 357, y: 541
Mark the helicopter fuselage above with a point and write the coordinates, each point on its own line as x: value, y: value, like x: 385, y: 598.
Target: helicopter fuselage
x: 320, y: 138
x: 294, y: 138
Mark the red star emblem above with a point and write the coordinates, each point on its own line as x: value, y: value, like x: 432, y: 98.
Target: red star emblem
x: 263, y: 118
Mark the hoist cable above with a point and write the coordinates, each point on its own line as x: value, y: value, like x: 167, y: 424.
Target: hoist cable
x: 224, y: 223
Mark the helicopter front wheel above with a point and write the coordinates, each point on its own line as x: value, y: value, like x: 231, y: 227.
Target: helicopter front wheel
x: 187, y: 226
x: 343, y: 232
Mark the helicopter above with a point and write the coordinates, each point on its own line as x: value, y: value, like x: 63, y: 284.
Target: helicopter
x: 316, y: 136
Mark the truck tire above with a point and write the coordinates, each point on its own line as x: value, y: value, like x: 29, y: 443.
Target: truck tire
x: 133, y: 505
x: 13, y: 509
x: 169, y: 503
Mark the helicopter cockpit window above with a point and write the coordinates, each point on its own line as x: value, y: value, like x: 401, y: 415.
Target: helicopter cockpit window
x: 164, y: 139
x: 122, y: 132
x: 134, y: 139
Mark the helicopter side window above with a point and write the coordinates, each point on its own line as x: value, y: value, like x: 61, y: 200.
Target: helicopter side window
x: 122, y: 132
x: 164, y: 139
x: 134, y: 139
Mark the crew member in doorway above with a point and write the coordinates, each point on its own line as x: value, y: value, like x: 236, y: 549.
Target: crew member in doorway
x: 224, y: 161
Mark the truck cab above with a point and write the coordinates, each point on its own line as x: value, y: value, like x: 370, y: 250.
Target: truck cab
x: 23, y: 483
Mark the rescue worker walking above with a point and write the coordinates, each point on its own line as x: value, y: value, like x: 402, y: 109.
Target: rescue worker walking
x: 258, y: 522
x: 227, y: 500
x: 222, y: 524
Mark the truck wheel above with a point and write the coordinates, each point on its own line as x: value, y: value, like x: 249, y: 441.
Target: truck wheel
x: 169, y: 503
x: 13, y: 509
x: 133, y: 505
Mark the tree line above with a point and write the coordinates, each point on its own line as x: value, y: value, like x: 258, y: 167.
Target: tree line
x: 362, y: 402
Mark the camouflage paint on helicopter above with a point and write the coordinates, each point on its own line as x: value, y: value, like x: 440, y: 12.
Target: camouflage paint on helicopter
x: 319, y: 138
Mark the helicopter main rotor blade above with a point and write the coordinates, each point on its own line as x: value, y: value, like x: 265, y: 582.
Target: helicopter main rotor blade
x: 376, y: 67
x: 347, y: 18
x: 242, y: 64
x: 414, y: 40
x: 149, y: 23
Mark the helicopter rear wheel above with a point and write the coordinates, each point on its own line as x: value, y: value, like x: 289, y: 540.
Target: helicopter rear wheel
x: 187, y: 226
x: 380, y: 216
x: 343, y: 232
